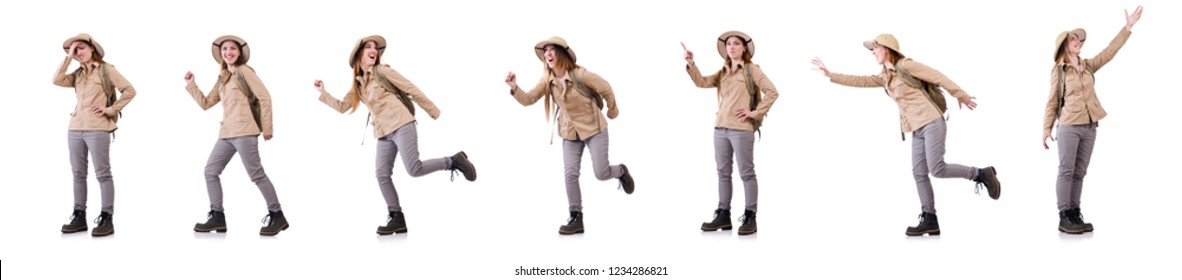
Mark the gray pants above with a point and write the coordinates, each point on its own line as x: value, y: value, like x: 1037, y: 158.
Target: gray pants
x: 248, y: 148
x: 98, y: 144
x: 405, y: 140
x: 740, y: 145
x: 927, y: 155
x: 572, y: 160
x: 1075, y: 153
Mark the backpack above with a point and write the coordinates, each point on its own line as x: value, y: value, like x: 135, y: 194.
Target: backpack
x: 402, y: 96
x: 1063, y: 87
x: 751, y: 90
x: 582, y: 89
x: 250, y: 98
x: 934, y: 93
x: 108, y: 87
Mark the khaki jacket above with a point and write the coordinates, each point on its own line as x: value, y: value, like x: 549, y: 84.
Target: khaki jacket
x: 237, y: 119
x: 89, y: 91
x: 1081, y: 104
x: 389, y: 114
x: 733, y: 94
x: 915, y: 109
x: 578, y: 116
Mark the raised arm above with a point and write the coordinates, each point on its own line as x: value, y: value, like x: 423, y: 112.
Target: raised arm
x: 61, y: 78
x: 530, y: 97
x: 205, y: 102
x: 332, y: 102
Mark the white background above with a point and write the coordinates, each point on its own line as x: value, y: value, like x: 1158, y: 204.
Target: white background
x: 836, y: 186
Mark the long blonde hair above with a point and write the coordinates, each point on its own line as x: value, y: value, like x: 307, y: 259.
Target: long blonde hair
x: 358, y: 71
x: 563, y: 61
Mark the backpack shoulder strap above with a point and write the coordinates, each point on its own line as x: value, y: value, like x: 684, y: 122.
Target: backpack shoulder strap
x: 754, y: 92
x: 1062, y: 89
x: 108, y: 87
x: 586, y: 91
x: 250, y: 98
x: 402, y: 96
x: 907, y: 78
x: 750, y: 81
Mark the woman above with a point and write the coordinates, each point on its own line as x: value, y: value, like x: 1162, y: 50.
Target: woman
x: 382, y: 89
x: 580, y: 96
x: 91, y: 126
x: 1074, y: 103
x: 920, y: 115
x: 740, y: 111
x: 242, y: 122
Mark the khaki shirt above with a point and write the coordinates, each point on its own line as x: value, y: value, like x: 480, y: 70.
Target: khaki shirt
x: 389, y: 114
x: 578, y: 117
x: 89, y: 91
x: 237, y: 119
x: 1081, y: 104
x: 733, y: 94
x: 915, y: 109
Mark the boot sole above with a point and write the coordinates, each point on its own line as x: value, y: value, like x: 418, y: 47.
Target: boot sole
x: 75, y: 230
x: 217, y: 229
x: 746, y: 232
x: 929, y: 233
x: 101, y: 234
x: 389, y: 232
x: 263, y: 233
x: 1063, y: 230
x: 725, y: 227
x: 578, y: 231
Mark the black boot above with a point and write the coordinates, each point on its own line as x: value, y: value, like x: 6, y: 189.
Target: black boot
x: 1068, y: 224
x: 987, y: 177
x: 460, y: 163
x: 748, y: 227
x: 1087, y: 227
x: 275, y: 222
x: 928, y: 223
x: 103, y: 225
x: 77, y: 222
x: 626, y: 180
x: 216, y: 222
x: 395, y: 223
x: 722, y: 220
x: 573, y: 225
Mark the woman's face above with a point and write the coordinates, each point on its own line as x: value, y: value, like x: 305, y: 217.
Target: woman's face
x: 735, y: 48
x: 1074, y: 44
x: 880, y: 54
x: 369, y: 54
x: 230, y: 52
x: 84, y: 53
x: 550, y: 53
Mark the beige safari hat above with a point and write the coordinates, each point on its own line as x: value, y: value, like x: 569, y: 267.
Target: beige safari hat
x: 85, y: 38
x: 742, y: 36
x: 886, y: 40
x: 540, y: 48
x: 1059, y: 41
x: 378, y: 41
x: 243, y: 47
